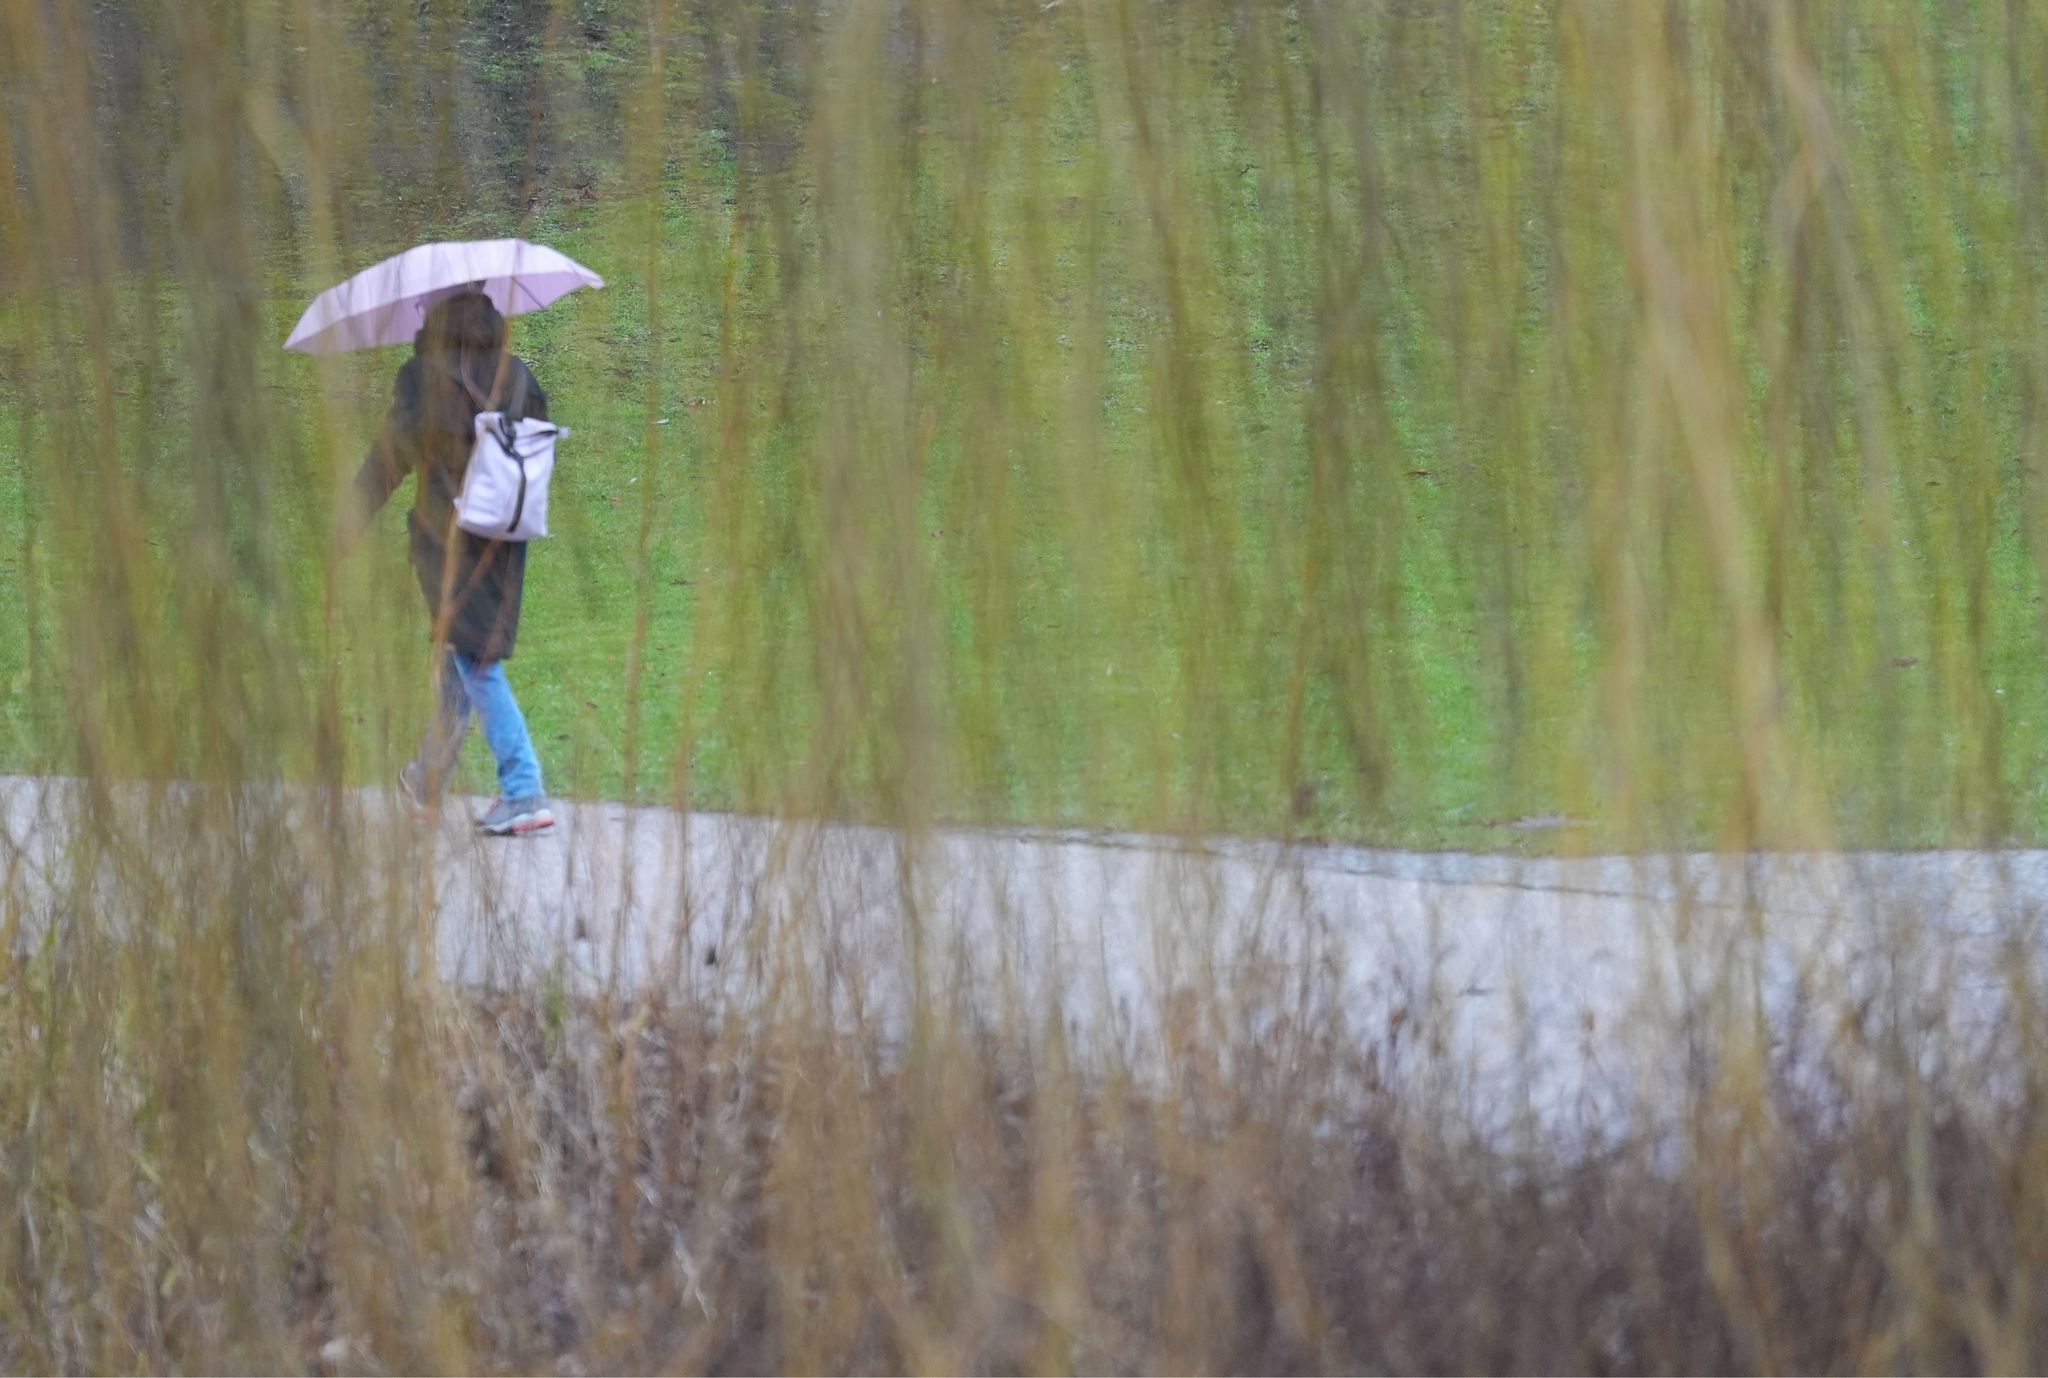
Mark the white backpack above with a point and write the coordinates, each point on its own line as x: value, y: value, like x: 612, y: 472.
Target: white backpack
x: 505, y: 490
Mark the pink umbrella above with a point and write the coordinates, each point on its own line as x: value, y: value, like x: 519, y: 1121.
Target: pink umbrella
x: 383, y: 305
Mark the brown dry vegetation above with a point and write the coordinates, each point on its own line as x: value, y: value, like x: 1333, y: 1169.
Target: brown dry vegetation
x: 642, y: 1193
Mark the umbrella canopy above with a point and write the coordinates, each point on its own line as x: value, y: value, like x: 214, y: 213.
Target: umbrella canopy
x: 383, y: 305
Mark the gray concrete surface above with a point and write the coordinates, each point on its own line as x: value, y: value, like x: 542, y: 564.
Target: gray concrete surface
x: 1568, y: 990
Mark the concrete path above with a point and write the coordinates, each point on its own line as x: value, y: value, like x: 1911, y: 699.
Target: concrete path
x: 1570, y: 990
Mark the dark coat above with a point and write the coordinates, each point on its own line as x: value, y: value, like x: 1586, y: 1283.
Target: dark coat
x: 429, y: 434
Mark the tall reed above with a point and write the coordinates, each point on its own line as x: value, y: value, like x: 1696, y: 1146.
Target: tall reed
x: 1378, y: 422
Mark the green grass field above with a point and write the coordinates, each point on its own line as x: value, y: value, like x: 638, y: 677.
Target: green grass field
x: 1153, y: 462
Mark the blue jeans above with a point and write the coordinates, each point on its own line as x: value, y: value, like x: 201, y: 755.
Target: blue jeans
x: 481, y: 687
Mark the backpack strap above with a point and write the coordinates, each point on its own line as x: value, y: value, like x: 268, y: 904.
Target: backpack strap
x: 462, y: 377
x: 516, y: 409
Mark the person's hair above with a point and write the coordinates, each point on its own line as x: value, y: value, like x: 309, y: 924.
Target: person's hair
x: 466, y: 326
x: 462, y: 338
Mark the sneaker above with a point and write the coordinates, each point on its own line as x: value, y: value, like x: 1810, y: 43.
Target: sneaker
x: 417, y: 789
x: 517, y: 817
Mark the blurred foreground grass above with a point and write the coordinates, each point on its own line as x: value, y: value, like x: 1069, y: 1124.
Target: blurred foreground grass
x: 1372, y: 421
x: 1223, y: 434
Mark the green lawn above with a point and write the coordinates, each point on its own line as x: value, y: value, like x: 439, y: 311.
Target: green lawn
x: 1156, y: 462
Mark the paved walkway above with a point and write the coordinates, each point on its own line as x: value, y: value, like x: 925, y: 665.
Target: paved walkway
x: 1553, y: 986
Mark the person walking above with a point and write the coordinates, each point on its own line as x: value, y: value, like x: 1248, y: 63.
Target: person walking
x: 472, y: 585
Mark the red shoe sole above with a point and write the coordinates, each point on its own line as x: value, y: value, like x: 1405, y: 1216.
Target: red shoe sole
x: 540, y: 825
